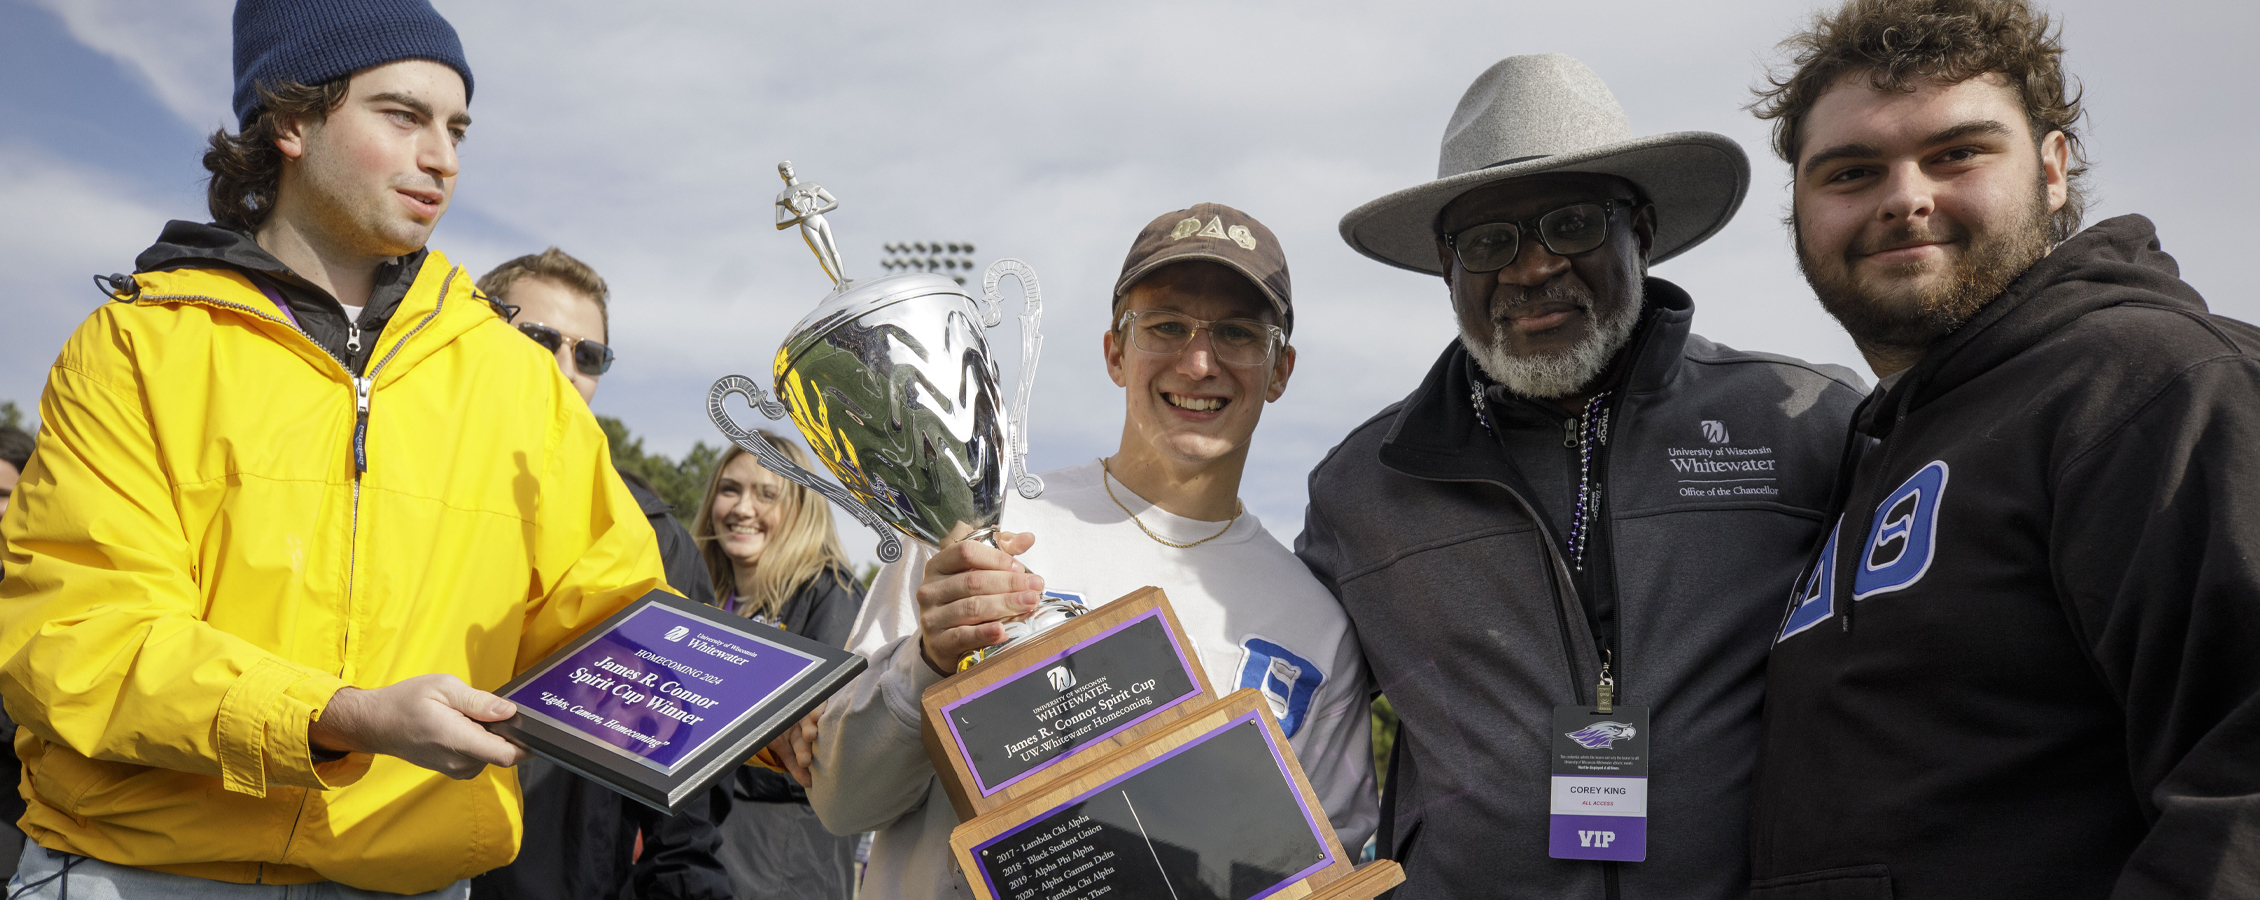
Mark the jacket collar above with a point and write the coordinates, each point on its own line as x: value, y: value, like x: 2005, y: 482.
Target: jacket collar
x: 1436, y: 434
x: 436, y: 306
x: 187, y: 245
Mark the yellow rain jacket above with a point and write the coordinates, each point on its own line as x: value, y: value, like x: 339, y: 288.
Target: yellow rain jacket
x: 194, y: 565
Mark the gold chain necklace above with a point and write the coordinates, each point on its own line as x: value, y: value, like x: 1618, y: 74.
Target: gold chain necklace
x: 1105, y: 481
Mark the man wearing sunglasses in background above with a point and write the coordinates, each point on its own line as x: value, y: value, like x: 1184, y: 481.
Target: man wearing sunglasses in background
x: 1198, y: 342
x: 580, y: 837
x: 1582, y: 498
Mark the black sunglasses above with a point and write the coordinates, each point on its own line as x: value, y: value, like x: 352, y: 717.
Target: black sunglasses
x: 1568, y: 231
x: 590, y: 357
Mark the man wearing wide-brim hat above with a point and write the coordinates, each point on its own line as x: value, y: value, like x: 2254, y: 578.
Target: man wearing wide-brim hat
x: 1565, y: 550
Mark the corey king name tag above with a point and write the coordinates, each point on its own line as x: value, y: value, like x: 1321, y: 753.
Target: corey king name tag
x: 1600, y: 784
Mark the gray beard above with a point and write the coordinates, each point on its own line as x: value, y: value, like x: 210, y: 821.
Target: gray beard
x: 1561, y: 374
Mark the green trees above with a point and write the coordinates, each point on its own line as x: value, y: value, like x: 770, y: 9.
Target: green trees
x: 682, y: 483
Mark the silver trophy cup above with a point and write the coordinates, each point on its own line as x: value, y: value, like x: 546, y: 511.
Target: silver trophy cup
x: 892, y: 383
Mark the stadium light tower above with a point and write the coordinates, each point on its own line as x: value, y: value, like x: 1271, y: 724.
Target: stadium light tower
x: 951, y: 258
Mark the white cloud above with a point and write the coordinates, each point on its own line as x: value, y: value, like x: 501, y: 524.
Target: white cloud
x: 67, y: 224
x: 180, y: 48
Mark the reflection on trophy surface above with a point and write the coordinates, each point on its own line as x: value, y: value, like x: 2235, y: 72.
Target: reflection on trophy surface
x: 892, y: 383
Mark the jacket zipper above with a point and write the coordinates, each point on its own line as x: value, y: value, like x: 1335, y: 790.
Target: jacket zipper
x: 362, y: 388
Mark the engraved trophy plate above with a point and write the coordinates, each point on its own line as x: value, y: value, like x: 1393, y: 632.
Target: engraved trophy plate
x: 1214, y: 805
x: 1087, y: 687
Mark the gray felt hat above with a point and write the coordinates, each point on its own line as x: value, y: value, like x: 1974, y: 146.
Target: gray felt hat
x: 1549, y: 113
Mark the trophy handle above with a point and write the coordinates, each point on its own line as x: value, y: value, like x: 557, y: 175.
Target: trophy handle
x: 1031, y: 341
x: 890, y: 546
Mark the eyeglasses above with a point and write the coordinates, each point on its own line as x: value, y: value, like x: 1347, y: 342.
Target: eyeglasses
x: 1568, y: 231
x: 1241, y: 342
x: 590, y: 357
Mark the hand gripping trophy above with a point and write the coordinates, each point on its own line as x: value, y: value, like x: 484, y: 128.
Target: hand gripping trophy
x: 892, y: 383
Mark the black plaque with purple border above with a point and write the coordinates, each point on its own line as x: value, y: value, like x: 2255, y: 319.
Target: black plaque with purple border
x: 666, y: 696
x: 1219, y: 816
x: 1091, y: 691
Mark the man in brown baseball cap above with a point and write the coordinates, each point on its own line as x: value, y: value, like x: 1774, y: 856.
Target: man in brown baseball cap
x: 1198, y: 343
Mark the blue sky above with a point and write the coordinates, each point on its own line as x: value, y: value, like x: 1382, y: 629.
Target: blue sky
x: 645, y: 142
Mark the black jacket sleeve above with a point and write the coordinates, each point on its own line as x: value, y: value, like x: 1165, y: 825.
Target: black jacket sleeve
x: 681, y: 858
x: 833, y: 600
x: 2156, y: 548
x: 686, y: 569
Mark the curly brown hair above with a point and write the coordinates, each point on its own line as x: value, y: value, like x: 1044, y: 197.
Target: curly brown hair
x: 247, y: 168
x: 1898, y: 44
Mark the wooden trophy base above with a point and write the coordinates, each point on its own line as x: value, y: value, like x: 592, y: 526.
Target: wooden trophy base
x: 1213, y: 803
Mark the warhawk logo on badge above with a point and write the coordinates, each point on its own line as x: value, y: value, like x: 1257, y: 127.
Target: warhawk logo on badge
x: 678, y: 632
x: 1602, y: 735
x: 1060, y: 678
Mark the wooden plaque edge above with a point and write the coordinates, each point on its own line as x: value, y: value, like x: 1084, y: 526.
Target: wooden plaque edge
x: 957, y: 776
x: 1180, y: 731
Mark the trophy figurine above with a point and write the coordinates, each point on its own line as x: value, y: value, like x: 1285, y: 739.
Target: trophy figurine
x: 892, y: 383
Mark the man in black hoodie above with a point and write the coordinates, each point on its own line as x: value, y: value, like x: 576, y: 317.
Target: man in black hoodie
x: 2026, y: 660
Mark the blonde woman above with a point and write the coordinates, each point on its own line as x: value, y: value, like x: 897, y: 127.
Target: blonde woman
x: 775, y: 558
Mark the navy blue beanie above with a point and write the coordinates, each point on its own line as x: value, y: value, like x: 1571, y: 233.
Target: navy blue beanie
x: 313, y: 41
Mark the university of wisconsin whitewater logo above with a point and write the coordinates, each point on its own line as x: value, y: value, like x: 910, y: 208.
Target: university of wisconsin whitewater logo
x: 1714, y: 431
x: 1602, y: 735
x: 678, y: 632
x: 1060, y: 678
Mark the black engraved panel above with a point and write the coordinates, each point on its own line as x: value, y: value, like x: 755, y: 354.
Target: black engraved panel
x: 1218, y: 821
x: 1049, y: 711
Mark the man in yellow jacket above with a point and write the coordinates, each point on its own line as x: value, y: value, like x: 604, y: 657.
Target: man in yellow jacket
x: 300, y: 496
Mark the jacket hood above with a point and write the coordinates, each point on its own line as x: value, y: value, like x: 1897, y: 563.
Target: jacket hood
x: 2115, y: 262
x: 184, y: 245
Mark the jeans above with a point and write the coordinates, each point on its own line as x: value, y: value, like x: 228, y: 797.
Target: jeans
x: 93, y: 879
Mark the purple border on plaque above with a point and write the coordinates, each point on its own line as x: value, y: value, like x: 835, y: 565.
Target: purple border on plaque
x: 1324, y: 845
x: 1155, y: 613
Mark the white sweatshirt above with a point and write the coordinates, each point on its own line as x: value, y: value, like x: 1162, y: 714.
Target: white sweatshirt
x: 1253, y: 613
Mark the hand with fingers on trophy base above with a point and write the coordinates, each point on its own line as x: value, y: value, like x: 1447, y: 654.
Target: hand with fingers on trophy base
x: 892, y: 383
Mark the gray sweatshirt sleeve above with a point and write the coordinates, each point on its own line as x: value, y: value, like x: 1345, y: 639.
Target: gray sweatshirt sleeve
x: 871, y: 767
x: 1336, y: 751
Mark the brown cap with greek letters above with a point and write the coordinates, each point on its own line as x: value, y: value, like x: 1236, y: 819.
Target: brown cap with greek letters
x: 1218, y: 233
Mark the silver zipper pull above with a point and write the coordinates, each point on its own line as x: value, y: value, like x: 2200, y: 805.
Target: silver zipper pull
x: 1606, y: 691
x: 1569, y: 432
x: 353, y: 337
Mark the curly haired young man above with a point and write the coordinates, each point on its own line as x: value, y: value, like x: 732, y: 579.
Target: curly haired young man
x: 2022, y: 663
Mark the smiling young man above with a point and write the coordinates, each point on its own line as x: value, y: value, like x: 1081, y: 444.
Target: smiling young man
x: 1198, y: 343
x: 1582, y: 493
x: 299, y: 493
x: 2022, y: 664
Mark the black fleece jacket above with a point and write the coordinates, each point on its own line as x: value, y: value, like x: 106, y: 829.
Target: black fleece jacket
x: 2028, y: 662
